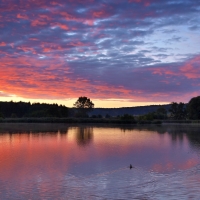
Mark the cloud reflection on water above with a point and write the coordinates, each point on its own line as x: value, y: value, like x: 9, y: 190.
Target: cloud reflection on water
x: 38, y: 155
x: 28, y: 150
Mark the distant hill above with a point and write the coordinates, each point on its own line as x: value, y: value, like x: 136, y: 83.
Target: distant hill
x: 139, y: 110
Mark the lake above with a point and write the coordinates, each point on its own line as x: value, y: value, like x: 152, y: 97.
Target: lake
x: 58, y: 161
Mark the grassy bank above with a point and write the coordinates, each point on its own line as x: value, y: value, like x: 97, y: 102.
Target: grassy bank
x: 76, y: 120
x: 182, y: 121
x: 93, y: 120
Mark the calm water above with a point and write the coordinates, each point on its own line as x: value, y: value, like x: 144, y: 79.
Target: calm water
x: 52, y: 161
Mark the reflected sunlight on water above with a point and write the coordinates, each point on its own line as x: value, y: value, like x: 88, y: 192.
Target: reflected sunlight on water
x: 41, y: 161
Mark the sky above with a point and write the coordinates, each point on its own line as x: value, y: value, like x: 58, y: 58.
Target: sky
x: 118, y: 53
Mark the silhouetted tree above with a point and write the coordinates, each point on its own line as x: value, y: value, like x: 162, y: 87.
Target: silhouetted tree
x: 1, y: 114
x: 84, y: 105
x: 84, y: 102
x: 193, y: 108
x: 178, y: 110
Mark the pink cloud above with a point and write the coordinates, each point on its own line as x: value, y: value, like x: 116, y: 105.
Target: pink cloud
x: 68, y: 16
x: 190, y: 69
x: 144, y: 2
x: 89, y: 22
x: 35, y: 55
x: 34, y: 39
x: 2, y: 44
x: 28, y: 81
x: 22, y: 16
x: 38, y: 22
x: 98, y: 14
x: 62, y: 26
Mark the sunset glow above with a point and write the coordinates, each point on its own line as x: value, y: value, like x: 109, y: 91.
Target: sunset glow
x: 119, y: 53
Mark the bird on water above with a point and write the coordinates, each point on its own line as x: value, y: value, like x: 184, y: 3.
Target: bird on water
x: 131, y: 166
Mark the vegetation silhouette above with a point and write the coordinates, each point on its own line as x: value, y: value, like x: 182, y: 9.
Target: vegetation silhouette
x: 159, y: 114
x: 193, y: 108
x: 22, y: 109
x: 178, y: 111
x: 83, y: 105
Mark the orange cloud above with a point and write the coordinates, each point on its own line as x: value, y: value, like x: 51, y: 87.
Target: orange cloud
x: 43, y: 78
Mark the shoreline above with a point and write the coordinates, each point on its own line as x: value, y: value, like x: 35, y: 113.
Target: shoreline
x: 95, y: 120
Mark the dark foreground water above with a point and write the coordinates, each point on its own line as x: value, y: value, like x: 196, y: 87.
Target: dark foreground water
x: 52, y: 161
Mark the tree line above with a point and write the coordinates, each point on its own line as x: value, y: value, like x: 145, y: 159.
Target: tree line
x: 40, y: 110
x: 177, y: 111
x: 22, y: 109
